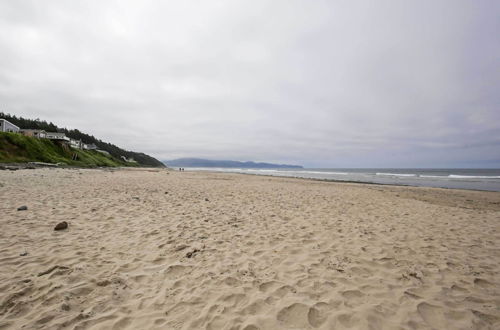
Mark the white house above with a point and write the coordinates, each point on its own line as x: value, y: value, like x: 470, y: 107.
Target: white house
x: 89, y: 146
x: 36, y: 133
x: 128, y: 160
x: 7, y: 126
x: 77, y: 144
x: 57, y: 136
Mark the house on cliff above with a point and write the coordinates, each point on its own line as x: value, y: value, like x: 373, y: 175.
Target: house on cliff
x: 7, y: 126
x: 36, y: 133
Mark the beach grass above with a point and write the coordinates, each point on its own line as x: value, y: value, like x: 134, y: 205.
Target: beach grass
x: 17, y: 148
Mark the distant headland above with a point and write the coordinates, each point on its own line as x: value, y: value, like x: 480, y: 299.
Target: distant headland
x: 198, y: 162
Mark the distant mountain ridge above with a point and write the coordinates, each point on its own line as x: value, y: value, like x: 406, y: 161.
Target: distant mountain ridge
x: 198, y: 162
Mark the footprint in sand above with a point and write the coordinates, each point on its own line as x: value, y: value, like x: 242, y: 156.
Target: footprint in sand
x: 177, y: 270
x: 348, y: 320
x: 159, y: 321
x: 267, y: 286
x: 318, y: 314
x: 482, y: 283
x: 231, y: 281
x: 491, y: 319
x: 234, y: 299
x: 432, y: 315
x: 284, y: 290
x: 352, y: 294
x: 294, y: 316
x: 255, y: 307
x: 458, y: 290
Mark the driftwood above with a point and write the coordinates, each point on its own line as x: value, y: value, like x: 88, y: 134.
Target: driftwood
x: 51, y: 269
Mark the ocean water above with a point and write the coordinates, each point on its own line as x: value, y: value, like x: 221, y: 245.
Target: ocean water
x: 474, y: 179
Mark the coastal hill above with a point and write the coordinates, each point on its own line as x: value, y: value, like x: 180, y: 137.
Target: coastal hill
x: 16, y: 148
x: 198, y: 162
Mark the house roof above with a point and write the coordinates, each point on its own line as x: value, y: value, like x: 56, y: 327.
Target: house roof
x: 5, y: 120
x: 57, y: 136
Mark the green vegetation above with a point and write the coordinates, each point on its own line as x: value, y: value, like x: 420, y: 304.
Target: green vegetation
x: 141, y: 158
x: 17, y: 148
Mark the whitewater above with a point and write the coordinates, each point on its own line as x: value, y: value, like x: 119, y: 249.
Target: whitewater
x: 472, y: 179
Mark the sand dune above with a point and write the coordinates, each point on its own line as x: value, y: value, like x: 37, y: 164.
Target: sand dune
x: 154, y: 249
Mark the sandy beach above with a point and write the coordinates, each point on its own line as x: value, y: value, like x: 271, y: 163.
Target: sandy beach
x: 159, y: 249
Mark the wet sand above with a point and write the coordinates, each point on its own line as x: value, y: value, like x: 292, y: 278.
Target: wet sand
x: 158, y: 249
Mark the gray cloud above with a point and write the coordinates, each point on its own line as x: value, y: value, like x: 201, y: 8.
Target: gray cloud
x: 323, y: 83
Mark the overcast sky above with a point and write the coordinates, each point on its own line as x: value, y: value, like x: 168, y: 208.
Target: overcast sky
x: 317, y: 83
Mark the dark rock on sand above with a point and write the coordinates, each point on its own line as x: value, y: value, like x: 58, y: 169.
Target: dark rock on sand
x: 61, y: 225
x: 103, y: 283
x: 194, y: 250
x: 22, y: 208
x: 24, y: 254
x: 192, y: 253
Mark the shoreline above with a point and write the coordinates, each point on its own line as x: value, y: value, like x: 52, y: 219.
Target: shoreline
x: 38, y: 165
x: 345, y: 181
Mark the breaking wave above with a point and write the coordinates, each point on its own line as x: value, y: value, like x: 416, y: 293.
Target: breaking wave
x: 397, y: 174
x: 454, y: 176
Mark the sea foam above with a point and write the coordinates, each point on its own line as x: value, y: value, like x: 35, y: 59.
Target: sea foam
x: 396, y: 174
